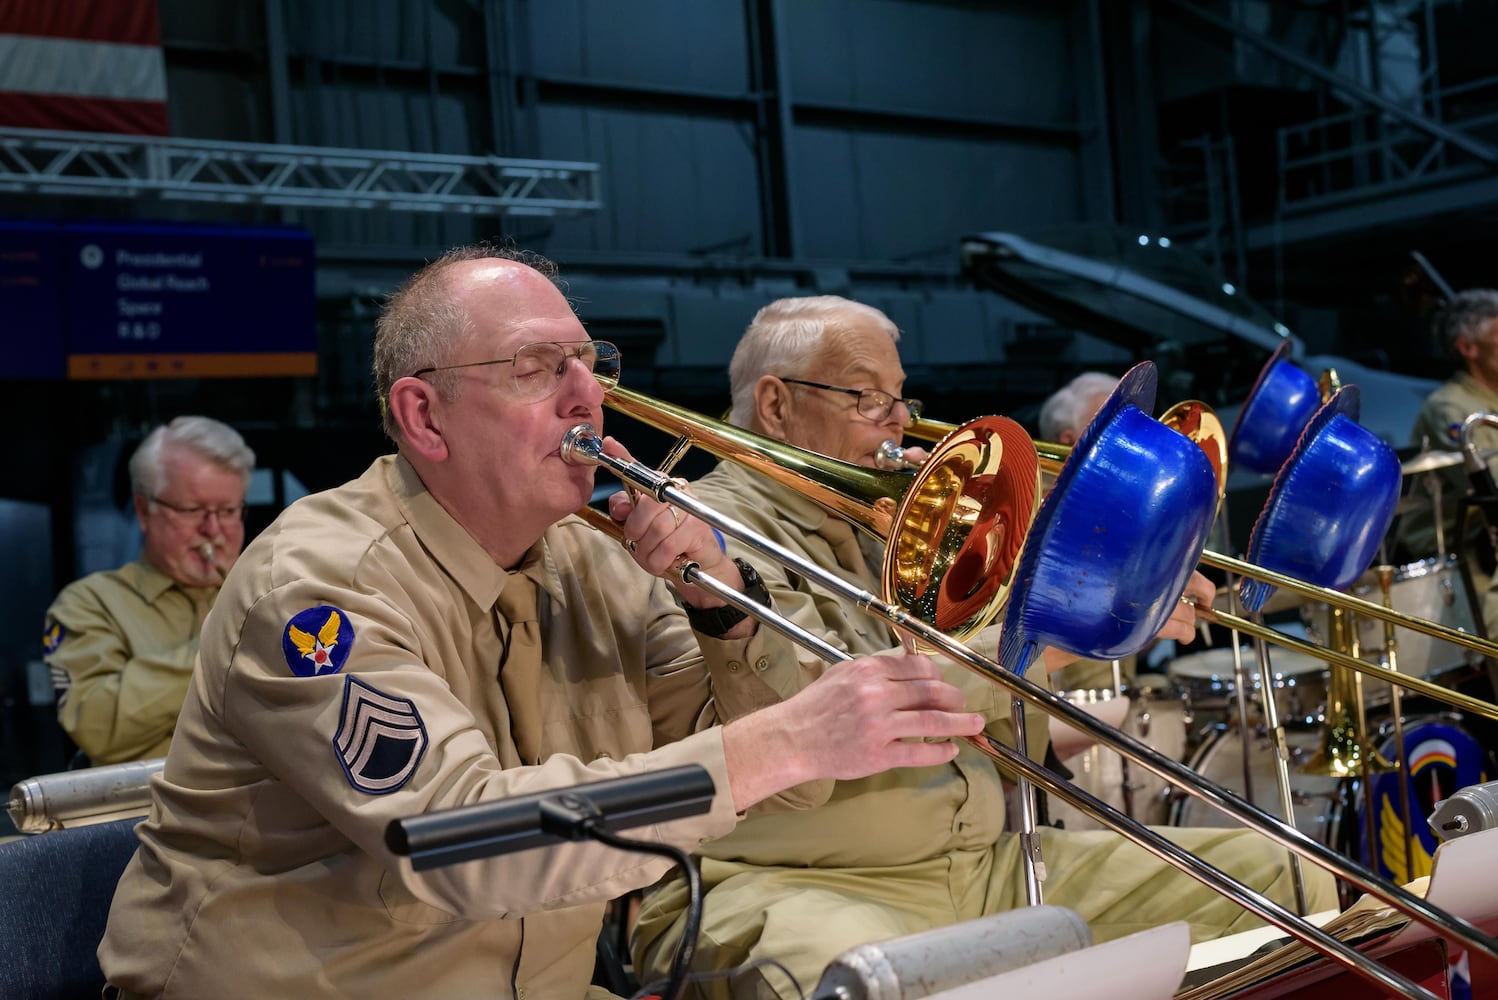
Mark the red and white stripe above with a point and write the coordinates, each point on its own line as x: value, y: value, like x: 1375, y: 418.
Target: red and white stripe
x: 82, y: 66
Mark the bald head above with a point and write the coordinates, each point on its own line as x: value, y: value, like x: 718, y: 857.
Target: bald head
x: 426, y: 321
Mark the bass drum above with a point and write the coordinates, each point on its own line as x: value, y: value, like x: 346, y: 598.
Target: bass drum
x: 1443, y: 757
x: 1318, y: 807
x: 1154, y: 715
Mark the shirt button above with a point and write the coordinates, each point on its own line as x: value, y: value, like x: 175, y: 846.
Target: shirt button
x: 762, y: 664
x: 734, y: 665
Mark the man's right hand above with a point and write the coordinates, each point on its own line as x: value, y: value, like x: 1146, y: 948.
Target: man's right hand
x: 859, y: 718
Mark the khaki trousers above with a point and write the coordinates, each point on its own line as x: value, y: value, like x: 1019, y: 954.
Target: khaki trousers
x: 802, y: 918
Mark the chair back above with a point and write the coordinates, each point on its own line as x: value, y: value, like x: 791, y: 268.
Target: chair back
x: 58, y: 888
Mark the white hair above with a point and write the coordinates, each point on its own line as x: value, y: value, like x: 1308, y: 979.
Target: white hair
x: 786, y: 336
x: 1069, y: 408
x: 215, y: 441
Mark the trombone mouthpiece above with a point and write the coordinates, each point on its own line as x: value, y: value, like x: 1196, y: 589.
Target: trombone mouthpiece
x: 890, y: 457
x: 206, y: 551
x: 581, y: 446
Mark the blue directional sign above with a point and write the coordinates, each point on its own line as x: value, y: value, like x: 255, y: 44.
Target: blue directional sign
x: 108, y: 301
x: 159, y: 301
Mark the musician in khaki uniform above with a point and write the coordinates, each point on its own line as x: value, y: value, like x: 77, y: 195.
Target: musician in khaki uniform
x: 441, y: 632
x: 908, y: 850
x: 121, y: 643
x: 1466, y: 328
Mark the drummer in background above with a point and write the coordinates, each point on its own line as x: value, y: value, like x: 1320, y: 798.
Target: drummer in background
x: 916, y: 848
x: 121, y: 643
x: 1063, y: 417
x: 1466, y: 329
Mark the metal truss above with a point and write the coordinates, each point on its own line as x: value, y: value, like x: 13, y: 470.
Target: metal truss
x: 113, y: 166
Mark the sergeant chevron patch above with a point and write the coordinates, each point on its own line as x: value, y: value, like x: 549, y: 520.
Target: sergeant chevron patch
x: 380, y: 738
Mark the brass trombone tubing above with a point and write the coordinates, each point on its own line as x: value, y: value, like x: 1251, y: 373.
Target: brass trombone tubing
x: 582, y: 444
x: 1136, y: 832
x: 1052, y: 456
x: 1348, y: 602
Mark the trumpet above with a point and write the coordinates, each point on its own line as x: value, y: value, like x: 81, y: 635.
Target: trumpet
x: 792, y: 467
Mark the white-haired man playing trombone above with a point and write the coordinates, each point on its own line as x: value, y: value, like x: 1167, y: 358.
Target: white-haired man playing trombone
x: 915, y: 848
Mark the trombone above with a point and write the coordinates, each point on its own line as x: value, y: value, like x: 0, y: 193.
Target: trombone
x: 1053, y: 456
x: 786, y: 464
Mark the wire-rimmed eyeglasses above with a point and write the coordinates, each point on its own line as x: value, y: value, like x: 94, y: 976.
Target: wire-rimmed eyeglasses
x: 537, y: 369
x: 228, y: 512
x: 872, y: 403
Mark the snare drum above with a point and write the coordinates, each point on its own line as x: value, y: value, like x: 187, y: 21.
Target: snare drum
x: 1206, y: 680
x: 1443, y: 757
x: 1432, y: 589
x: 1318, y: 808
x: 1154, y: 716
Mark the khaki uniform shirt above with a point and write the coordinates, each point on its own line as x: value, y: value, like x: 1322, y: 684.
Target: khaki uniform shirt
x: 1439, y: 426
x: 892, y: 818
x: 263, y: 869
x: 120, y: 645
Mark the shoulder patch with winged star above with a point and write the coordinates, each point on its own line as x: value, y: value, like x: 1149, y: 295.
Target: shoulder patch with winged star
x: 317, y: 641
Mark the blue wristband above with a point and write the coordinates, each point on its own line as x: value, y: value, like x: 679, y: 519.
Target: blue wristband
x: 722, y: 545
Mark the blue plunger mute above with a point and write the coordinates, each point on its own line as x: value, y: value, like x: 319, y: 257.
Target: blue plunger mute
x: 1330, y: 505
x: 1116, y: 538
x: 1281, y: 403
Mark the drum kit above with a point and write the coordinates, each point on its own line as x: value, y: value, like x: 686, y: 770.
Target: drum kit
x: 1409, y: 762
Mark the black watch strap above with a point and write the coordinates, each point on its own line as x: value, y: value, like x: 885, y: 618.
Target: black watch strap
x: 715, y: 622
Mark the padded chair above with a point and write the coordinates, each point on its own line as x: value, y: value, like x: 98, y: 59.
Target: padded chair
x: 58, y: 887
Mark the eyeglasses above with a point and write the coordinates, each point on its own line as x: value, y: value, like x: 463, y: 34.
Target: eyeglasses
x: 538, y: 368
x: 229, y: 512
x: 872, y: 403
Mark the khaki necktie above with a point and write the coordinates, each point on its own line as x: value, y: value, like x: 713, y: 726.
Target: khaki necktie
x: 844, y: 541
x: 520, y: 666
x: 202, y: 602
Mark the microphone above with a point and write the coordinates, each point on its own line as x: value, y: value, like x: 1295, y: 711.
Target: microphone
x: 521, y: 822
x: 1471, y: 810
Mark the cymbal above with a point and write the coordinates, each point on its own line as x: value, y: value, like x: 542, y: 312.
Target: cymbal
x: 1430, y: 461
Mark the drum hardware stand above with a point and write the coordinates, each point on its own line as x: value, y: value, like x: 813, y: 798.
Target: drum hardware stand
x: 1240, y: 675
x: 1276, y: 735
x: 1396, y: 700
x: 1029, y: 837
x: 1126, y: 783
x: 1483, y: 497
x: 1281, y: 761
x: 1344, y: 753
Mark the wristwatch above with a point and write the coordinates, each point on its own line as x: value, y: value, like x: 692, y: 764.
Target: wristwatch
x: 715, y: 622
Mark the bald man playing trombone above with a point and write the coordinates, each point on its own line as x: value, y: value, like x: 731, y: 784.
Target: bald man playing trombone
x: 915, y: 848
x: 441, y: 631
